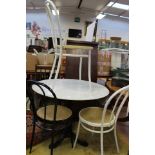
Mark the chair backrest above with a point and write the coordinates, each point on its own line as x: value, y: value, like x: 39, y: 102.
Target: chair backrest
x: 36, y: 47
x: 119, y: 98
x: 54, y: 24
x: 35, y: 105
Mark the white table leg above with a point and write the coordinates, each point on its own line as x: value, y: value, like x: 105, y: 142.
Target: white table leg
x: 58, y: 66
x: 80, y: 68
x: 53, y: 66
x: 89, y: 66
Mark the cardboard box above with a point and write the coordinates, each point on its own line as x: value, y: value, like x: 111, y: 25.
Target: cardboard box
x: 31, y: 61
x: 45, y: 59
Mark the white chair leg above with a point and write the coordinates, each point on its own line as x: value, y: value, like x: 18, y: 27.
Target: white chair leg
x: 58, y: 67
x: 116, y: 141
x: 89, y: 66
x: 53, y: 67
x: 77, y: 134
x: 127, y: 111
x: 101, y: 143
x: 80, y: 68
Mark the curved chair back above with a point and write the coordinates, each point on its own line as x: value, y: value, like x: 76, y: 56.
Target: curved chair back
x: 54, y: 24
x: 35, y: 105
x: 120, y: 97
x: 56, y: 33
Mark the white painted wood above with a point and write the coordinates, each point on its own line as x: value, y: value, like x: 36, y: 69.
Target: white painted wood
x: 117, y: 50
x: 77, y: 134
x: 49, y: 5
x: 89, y: 66
x: 103, y: 125
x: 80, y: 68
x: 73, y: 55
x: 75, y: 90
x: 116, y: 140
x: 54, y: 63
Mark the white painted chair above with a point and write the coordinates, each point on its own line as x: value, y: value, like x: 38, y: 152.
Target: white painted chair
x: 102, y: 120
x: 58, y: 49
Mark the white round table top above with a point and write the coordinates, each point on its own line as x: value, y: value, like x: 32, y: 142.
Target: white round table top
x: 72, y: 89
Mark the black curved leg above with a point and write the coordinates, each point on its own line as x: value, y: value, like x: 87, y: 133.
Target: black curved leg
x: 32, y: 138
x: 71, y: 136
x: 52, y: 143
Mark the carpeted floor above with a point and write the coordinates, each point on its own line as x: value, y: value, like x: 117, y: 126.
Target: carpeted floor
x: 94, y: 144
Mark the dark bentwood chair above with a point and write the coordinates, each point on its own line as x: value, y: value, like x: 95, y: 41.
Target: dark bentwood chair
x: 48, y: 114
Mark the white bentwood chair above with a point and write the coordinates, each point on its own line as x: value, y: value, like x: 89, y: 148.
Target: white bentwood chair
x: 103, y: 120
x: 58, y: 49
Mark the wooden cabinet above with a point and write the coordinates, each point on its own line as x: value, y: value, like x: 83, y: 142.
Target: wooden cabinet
x: 72, y: 63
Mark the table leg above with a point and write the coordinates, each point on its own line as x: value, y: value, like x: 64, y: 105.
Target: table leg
x: 124, y: 119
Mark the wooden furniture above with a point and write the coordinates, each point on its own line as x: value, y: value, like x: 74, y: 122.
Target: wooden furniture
x: 103, y: 64
x: 75, y: 94
x: 110, y: 59
x: 102, y: 120
x: 112, y: 90
x: 38, y: 66
x: 72, y: 64
x: 50, y: 116
x: 111, y: 87
x: 59, y: 49
x: 31, y: 62
x: 80, y: 52
x: 38, y: 48
x: 42, y: 71
x: 65, y: 89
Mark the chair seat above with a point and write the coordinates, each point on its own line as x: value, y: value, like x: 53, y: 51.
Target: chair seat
x: 63, y: 113
x: 74, y: 55
x: 92, y: 116
x: 76, y: 47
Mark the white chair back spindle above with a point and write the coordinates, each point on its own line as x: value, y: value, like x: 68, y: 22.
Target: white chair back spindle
x: 58, y: 49
x: 56, y: 33
x: 103, y: 120
x: 123, y: 92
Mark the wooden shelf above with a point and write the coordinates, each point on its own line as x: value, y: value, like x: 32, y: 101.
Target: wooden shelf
x: 108, y: 40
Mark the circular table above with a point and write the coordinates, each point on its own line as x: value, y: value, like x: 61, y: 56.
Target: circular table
x: 74, y: 90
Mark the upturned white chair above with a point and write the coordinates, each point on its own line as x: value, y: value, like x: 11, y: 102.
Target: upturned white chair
x: 103, y: 120
x: 58, y: 49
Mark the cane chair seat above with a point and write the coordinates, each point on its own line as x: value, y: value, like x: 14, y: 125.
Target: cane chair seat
x: 102, y: 120
x: 63, y: 113
x: 93, y: 115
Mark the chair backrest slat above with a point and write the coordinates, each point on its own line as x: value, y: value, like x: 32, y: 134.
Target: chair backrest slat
x: 122, y: 95
x: 121, y: 105
x: 54, y: 24
x: 41, y: 86
x: 51, y: 23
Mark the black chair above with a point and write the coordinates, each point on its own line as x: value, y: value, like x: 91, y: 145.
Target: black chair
x: 32, y: 47
x: 49, y: 114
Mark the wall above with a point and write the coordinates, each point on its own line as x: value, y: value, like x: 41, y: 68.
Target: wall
x: 110, y: 26
x: 67, y: 21
x: 113, y: 26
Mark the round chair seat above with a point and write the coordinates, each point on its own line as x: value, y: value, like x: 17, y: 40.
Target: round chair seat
x: 93, y: 116
x: 63, y: 113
